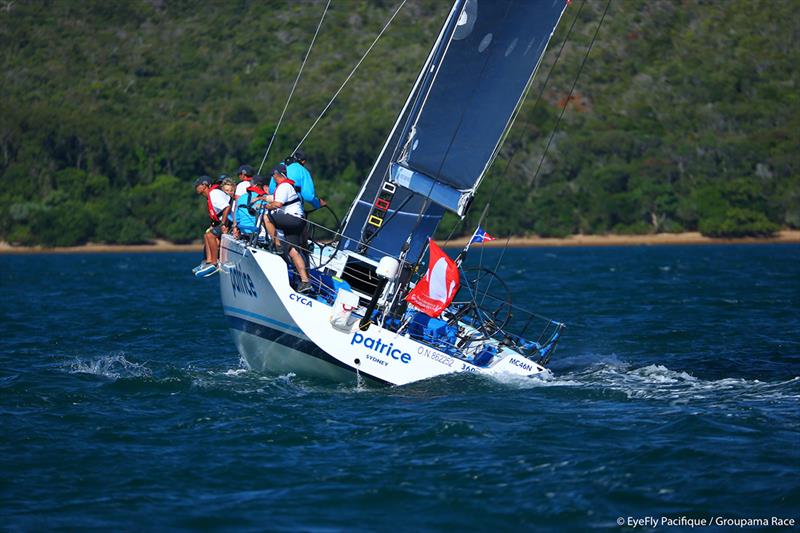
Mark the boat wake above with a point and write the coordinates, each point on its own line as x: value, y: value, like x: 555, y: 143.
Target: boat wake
x: 605, y: 380
x: 124, y: 373
x: 658, y: 382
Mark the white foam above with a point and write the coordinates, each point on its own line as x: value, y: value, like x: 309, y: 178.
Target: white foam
x: 660, y: 382
x: 235, y: 372
x: 110, y: 366
x: 542, y: 379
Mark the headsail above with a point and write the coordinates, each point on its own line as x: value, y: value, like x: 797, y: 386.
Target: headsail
x: 384, y: 231
x: 455, y: 119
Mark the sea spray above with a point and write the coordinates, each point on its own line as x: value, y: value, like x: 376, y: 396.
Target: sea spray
x: 113, y: 367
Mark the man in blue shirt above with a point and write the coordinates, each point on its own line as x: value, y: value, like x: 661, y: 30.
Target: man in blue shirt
x: 297, y: 172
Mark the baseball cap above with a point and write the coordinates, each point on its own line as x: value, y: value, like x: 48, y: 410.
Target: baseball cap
x: 280, y: 168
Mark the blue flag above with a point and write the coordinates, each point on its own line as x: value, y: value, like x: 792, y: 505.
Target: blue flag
x: 480, y: 236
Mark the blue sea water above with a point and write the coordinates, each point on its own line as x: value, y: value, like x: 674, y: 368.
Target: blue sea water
x: 675, y: 393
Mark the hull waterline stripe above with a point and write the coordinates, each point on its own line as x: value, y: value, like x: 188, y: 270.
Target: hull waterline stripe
x: 290, y: 341
x: 244, y: 312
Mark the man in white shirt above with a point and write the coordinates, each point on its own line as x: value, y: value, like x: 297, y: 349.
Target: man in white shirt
x: 219, y: 205
x: 246, y: 174
x: 286, y: 213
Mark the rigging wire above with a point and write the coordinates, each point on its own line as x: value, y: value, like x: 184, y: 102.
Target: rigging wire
x: 555, y: 128
x: 352, y: 72
x: 563, y: 109
x: 569, y: 96
x: 291, y: 93
x: 458, y: 225
x: 560, y: 116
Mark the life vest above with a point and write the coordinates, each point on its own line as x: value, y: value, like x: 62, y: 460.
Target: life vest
x: 212, y: 213
x: 247, y: 211
x: 248, y: 201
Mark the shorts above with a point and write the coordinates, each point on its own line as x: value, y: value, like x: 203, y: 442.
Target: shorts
x: 293, y: 228
x: 215, y: 231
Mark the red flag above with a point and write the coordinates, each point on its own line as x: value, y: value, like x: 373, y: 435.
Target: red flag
x: 436, y: 290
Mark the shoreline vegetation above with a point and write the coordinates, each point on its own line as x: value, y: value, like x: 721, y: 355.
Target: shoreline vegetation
x: 683, y: 120
x: 686, y: 238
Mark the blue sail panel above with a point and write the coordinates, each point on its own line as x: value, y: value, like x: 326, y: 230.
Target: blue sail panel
x: 479, y: 84
x: 409, y: 214
x: 452, y: 123
x: 397, y: 226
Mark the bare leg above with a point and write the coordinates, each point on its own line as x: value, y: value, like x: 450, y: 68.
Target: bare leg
x: 299, y: 264
x: 273, y: 234
x: 208, y: 243
x: 212, y: 248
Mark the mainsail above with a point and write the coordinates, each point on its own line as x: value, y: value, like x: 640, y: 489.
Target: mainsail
x: 452, y: 124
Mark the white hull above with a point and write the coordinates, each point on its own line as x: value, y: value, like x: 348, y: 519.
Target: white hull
x: 277, y: 330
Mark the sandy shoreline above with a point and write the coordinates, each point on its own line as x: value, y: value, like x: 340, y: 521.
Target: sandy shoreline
x: 786, y: 236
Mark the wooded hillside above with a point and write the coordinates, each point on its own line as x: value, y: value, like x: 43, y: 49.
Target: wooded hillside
x: 685, y: 116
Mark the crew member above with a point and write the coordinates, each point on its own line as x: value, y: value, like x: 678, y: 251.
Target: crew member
x: 249, y: 205
x: 297, y: 172
x: 218, y: 208
x: 246, y: 174
x: 228, y: 186
x: 286, y: 213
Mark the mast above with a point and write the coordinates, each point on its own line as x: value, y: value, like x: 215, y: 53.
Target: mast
x: 379, y: 205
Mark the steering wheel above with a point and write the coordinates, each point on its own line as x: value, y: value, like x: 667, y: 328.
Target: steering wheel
x: 322, y: 236
x: 483, y: 301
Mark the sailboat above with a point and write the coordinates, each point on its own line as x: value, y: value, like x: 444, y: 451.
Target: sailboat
x: 361, y: 322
